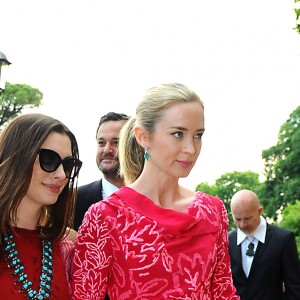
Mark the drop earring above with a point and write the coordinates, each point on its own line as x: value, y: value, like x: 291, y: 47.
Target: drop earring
x: 146, y: 154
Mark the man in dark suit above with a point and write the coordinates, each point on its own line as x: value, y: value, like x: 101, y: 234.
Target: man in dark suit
x: 264, y: 258
x: 107, y: 136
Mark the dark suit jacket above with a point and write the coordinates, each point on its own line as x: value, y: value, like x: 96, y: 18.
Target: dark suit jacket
x: 86, y: 196
x: 275, y: 262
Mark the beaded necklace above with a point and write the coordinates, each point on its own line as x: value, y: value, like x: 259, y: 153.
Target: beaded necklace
x: 22, y: 280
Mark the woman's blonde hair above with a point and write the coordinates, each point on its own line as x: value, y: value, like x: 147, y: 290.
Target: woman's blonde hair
x: 148, y: 112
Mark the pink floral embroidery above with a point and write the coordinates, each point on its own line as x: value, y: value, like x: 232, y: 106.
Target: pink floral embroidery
x: 136, y: 250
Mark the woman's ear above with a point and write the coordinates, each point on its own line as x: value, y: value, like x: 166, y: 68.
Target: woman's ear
x: 141, y: 136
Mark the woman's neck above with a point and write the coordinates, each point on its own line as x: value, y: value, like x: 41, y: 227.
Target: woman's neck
x: 26, y: 224
x: 27, y: 216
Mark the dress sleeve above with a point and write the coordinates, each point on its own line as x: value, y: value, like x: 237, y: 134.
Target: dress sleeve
x: 67, y: 253
x: 92, y: 257
x: 222, y: 283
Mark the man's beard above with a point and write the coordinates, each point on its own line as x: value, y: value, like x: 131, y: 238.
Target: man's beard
x: 112, y: 172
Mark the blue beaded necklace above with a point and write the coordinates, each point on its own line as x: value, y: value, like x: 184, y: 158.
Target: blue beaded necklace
x: 22, y: 280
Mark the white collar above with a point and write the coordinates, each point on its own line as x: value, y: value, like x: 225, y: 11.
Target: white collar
x: 259, y: 233
x: 108, y: 188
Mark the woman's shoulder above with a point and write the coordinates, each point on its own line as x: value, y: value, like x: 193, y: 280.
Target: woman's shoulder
x: 210, y: 204
x: 109, y: 206
x: 208, y: 199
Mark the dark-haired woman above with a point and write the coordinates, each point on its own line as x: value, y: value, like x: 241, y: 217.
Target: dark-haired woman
x: 39, y: 164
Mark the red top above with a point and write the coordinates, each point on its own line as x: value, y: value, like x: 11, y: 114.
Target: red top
x: 29, y: 246
x: 138, y: 250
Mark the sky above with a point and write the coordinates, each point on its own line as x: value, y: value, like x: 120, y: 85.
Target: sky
x: 91, y: 57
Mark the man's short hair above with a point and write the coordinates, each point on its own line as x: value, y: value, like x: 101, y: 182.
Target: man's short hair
x: 112, y: 116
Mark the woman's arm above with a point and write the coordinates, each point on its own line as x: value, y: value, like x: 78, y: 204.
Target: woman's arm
x: 222, y: 283
x: 91, y: 258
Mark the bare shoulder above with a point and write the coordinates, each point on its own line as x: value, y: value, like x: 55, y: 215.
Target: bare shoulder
x: 185, y: 199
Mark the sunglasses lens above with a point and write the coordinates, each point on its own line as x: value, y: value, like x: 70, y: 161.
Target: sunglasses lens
x: 49, y: 160
x: 71, y: 166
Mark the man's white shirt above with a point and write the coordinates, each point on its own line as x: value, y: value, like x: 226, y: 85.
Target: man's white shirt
x: 259, y: 235
x: 107, y: 188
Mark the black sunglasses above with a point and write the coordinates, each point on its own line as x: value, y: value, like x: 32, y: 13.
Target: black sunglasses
x: 50, y: 161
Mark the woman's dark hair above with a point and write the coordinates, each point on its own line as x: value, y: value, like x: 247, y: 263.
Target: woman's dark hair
x: 20, y: 142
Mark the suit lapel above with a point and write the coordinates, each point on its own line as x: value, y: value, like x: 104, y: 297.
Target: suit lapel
x: 237, y: 253
x: 240, y: 263
x: 261, y: 247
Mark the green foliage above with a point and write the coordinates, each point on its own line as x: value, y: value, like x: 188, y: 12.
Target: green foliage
x: 281, y: 189
x: 208, y: 189
x: 15, y: 98
x: 297, y: 12
x: 291, y: 220
x: 282, y: 168
x: 228, y: 184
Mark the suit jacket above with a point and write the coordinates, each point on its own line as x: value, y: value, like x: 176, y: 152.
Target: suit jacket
x: 86, y: 196
x: 275, y: 262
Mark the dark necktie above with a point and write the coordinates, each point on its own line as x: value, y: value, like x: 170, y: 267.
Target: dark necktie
x: 250, y: 250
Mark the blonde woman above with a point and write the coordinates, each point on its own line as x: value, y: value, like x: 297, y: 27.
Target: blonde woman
x: 155, y: 239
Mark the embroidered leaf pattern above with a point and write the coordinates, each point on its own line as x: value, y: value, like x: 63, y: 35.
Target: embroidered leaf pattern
x: 147, y: 252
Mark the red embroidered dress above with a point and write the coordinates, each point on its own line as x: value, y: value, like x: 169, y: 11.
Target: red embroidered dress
x: 137, y: 250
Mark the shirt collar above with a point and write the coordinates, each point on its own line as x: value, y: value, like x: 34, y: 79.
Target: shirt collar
x: 107, y: 188
x: 259, y: 233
